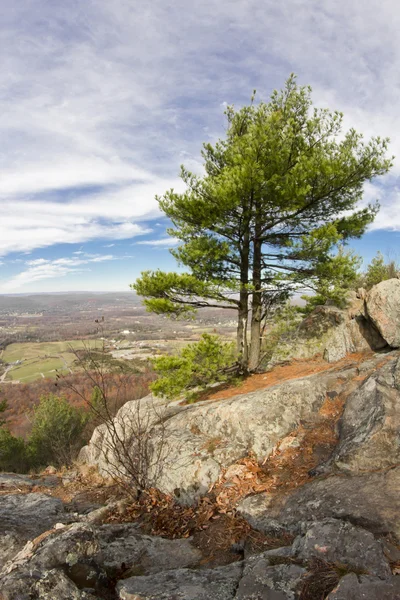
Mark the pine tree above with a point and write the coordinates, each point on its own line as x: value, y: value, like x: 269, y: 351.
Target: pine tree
x: 279, y: 195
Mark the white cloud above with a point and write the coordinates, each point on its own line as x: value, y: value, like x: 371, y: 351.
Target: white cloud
x: 163, y: 242
x: 41, y: 268
x: 114, y: 215
x: 102, y: 100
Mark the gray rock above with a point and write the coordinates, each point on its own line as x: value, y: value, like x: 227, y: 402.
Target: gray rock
x: 90, y: 555
x: 57, y: 566
x: 369, y: 427
x: 265, y: 582
x: 383, y: 308
x: 371, y: 501
x: 183, y: 584
x: 332, y: 333
x: 124, y: 548
x: 50, y: 585
x: 24, y: 517
x: 352, y: 587
x: 77, y: 543
x: 205, y: 437
x: 261, y: 513
x: 13, y: 481
x: 32, y: 513
x: 340, y: 542
x: 10, y: 544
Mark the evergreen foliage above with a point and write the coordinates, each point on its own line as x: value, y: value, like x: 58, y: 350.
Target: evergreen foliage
x: 57, y: 432
x: 278, y: 197
x: 378, y: 270
x: 197, y: 365
x: 13, y: 454
x: 338, y: 277
x: 3, y: 408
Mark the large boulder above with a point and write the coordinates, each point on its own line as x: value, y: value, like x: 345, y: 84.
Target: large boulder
x: 193, y: 445
x: 369, y: 427
x: 383, y: 309
x: 189, y: 446
x: 332, y: 333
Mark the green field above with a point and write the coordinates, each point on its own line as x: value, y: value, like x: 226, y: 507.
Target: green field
x: 42, y: 359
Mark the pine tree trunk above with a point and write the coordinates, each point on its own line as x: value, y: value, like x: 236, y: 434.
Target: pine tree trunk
x: 243, y: 312
x: 256, y: 305
x: 255, y: 338
x: 241, y: 335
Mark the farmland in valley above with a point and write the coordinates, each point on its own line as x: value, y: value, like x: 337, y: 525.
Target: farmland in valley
x: 29, y: 361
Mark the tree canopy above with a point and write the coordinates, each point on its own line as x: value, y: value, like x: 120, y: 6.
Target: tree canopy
x: 278, y: 197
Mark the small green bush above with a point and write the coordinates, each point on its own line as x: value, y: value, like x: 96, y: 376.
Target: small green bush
x: 378, y: 270
x: 57, y: 432
x: 198, y: 365
x: 13, y: 455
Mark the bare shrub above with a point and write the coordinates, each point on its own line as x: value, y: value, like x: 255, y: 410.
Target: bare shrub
x: 128, y: 435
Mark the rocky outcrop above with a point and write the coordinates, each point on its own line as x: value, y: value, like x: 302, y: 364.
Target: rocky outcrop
x: 383, y: 309
x: 332, y: 333
x: 83, y: 562
x: 339, y: 520
x: 369, y: 428
x: 371, y: 500
x: 201, y: 439
x: 340, y: 525
x: 371, y: 321
x: 360, y: 483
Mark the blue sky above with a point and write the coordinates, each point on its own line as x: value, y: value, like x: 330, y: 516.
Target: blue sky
x: 102, y: 100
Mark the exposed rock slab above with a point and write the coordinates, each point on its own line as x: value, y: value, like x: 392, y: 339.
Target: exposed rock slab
x: 266, y: 582
x: 340, y: 542
x: 24, y: 517
x: 13, y: 481
x: 371, y: 501
x: 383, y: 309
x: 183, y: 584
x: 352, y: 587
x: 81, y: 562
x: 90, y: 557
x: 143, y: 554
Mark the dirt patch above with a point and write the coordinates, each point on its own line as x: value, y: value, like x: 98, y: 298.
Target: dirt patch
x: 295, y: 370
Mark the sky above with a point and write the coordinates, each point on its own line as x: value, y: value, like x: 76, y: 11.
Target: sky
x: 101, y: 101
